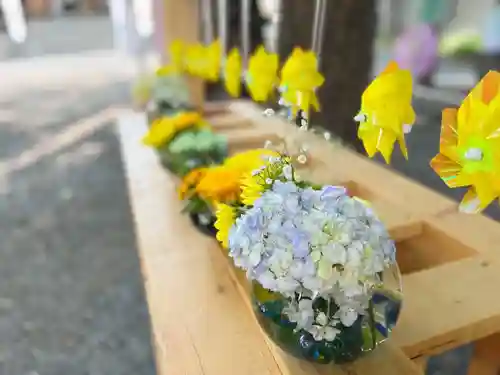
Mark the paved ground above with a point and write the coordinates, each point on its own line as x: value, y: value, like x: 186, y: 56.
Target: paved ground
x: 64, y: 35
x: 71, y: 298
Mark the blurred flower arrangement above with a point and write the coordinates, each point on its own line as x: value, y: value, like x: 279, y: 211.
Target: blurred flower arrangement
x: 185, y: 141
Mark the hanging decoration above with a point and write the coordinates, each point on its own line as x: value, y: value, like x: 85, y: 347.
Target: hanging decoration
x: 469, y: 150
x: 386, y: 112
x: 300, y: 77
x: 232, y: 73
x: 262, y: 74
x: 260, y: 68
x: 177, y: 51
x: 204, y: 61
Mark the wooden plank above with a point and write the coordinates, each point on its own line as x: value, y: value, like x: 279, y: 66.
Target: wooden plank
x: 475, y: 231
x: 181, y: 22
x: 199, y: 306
x: 457, y: 297
x: 227, y: 121
x: 449, y: 305
x: 243, y: 139
x: 200, y: 323
x: 347, y: 165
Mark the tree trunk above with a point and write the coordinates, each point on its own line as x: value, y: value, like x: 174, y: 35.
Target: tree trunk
x: 346, y: 60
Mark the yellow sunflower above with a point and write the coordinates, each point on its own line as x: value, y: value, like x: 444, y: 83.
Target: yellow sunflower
x: 251, y: 189
x: 254, y: 184
x: 249, y: 161
x: 226, y: 216
x: 219, y: 184
x: 190, y: 181
x: 162, y: 130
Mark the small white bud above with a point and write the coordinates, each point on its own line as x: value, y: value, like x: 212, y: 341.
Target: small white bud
x: 269, y: 112
x: 302, y: 159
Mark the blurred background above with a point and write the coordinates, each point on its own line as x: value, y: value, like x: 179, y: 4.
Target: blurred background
x: 71, y: 295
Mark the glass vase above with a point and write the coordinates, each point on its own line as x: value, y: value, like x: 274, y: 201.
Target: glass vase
x: 204, y: 222
x: 367, y: 332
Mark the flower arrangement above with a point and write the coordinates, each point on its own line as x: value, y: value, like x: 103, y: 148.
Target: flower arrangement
x: 316, y: 256
x: 161, y: 94
x: 169, y: 93
x: 205, y: 188
x: 184, y: 141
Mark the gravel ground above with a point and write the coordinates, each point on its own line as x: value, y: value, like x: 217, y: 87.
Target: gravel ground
x: 71, y: 296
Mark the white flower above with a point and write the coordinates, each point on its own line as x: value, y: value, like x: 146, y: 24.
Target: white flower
x: 322, y: 319
x: 324, y: 329
x: 347, y: 315
x: 335, y: 253
x: 301, y: 313
x: 287, y: 172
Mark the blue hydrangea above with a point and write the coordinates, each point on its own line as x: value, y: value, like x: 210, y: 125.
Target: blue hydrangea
x: 312, y: 242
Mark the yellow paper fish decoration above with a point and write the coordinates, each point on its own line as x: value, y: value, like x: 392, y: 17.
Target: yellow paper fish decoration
x: 194, y: 54
x: 300, y: 100
x: 300, y: 79
x: 204, y: 61
x: 386, y: 112
x: 469, y: 149
x: 262, y: 75
x: 177, y: 50
x: 232, y: 73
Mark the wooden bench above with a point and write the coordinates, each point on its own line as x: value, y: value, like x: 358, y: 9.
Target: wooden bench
x: 201, y: 317
x: 200, y: 311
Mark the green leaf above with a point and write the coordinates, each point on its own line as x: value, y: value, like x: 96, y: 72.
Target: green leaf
x: 196, y: 205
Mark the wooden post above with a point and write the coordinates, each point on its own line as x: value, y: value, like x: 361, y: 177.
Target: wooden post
x: 181, y: 21
x: 347, y: 54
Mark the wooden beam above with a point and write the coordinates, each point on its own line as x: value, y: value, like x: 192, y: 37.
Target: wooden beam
x: 181, y: 21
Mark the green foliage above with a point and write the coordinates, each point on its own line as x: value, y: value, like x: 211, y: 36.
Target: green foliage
x: 198, y: 142
x: 196, y: 205
x: 171, y: 89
